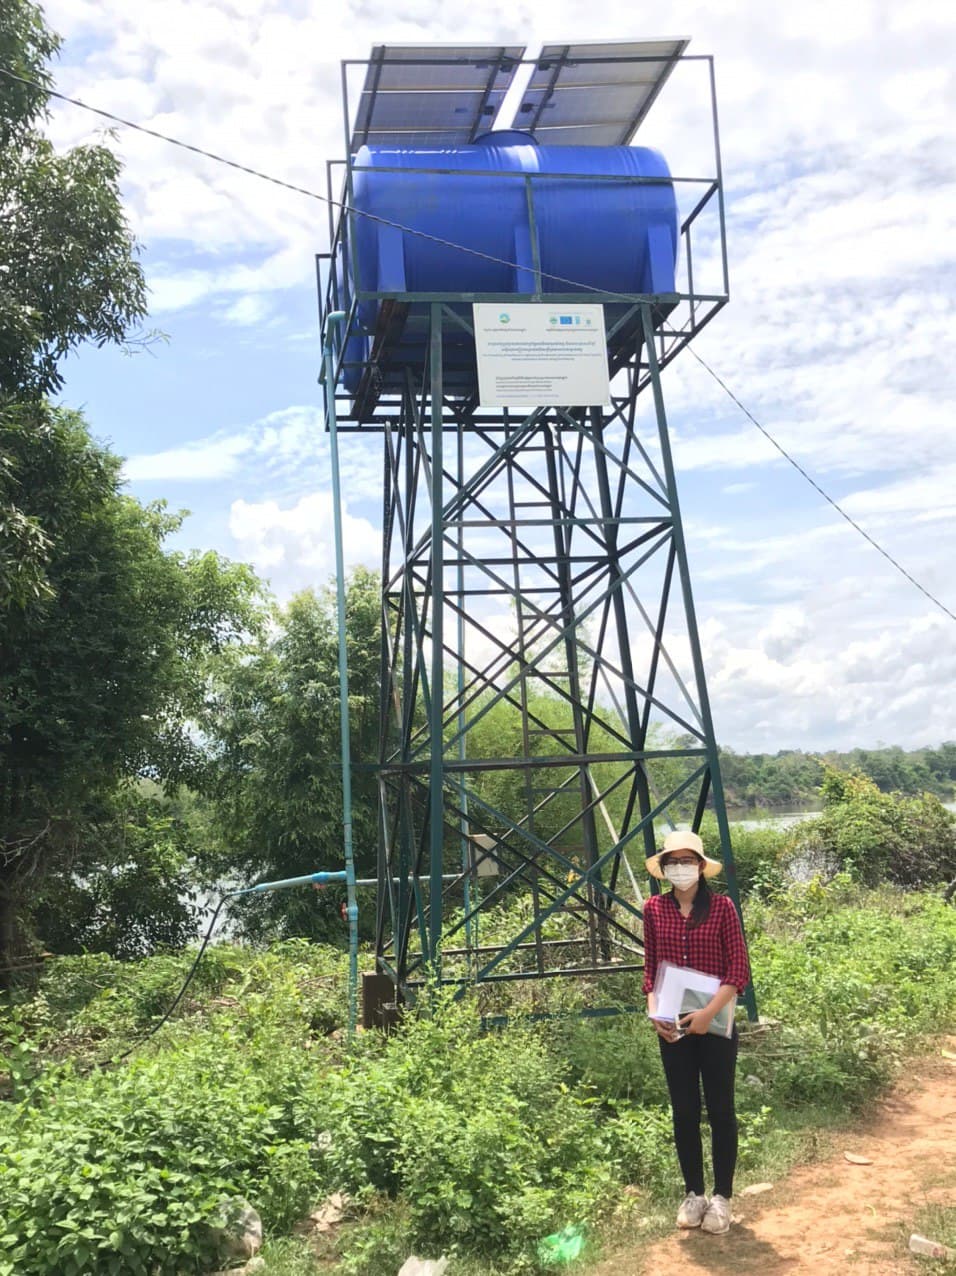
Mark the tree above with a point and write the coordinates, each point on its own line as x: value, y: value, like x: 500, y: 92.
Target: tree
x: 101, y: 679
x: 275, y: 731
x: 24, y: 545
x: 130, y: 890
x: 941, y: 763
x: 67, y: 267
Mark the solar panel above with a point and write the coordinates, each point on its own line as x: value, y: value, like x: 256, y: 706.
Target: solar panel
x: 432, y: 95
x: 576, y: 98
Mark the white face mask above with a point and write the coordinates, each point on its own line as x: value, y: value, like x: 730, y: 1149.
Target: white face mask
x: 682, y: 875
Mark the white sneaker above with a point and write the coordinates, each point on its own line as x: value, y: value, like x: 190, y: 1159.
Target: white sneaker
x: 692, y: 1210
x: 716, y: 1219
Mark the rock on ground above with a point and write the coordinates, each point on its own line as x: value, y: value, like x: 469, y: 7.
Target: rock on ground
x: 423, y: 1266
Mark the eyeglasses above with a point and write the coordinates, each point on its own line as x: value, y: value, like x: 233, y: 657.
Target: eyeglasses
x: 691, y: 863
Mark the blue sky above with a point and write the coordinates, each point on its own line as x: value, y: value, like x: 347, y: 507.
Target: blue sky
x: 841, y: 186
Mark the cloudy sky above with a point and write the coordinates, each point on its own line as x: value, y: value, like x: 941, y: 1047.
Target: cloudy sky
x: 840, y: 171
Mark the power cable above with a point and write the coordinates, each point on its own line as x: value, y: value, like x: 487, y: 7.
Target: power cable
x: 291, y: 186
x: 816, y: 486
x: 475, y: 252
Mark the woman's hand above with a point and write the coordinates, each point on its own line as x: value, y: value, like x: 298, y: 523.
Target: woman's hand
x: 697, y: 1022
x: 666, y: 1030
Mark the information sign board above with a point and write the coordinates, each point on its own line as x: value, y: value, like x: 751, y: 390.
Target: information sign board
x: 538, y: 354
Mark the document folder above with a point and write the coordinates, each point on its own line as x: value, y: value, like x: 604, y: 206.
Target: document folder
x: 679, y: 989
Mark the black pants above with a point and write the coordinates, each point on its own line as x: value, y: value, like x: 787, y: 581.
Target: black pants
x: 712, y: 1060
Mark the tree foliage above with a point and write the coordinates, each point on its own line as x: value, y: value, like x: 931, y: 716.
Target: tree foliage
x: 67, y: 257
x: 101, y: 679
x: 24, y: 545
x: 274, y: 728
x: 68, y: 269
x: 792, y: 778
x: 129, y: 891
x: 554, y: 793
x: 877, y: 837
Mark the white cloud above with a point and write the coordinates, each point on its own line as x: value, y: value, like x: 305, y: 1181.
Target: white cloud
x: 294, y: 545
x: 924, y: 497
x: 248, y: 311
x: 283, y: 444
x: 198, y: 462
x: 170, y: 292
x: 736, y: 450
x: 896, y: 683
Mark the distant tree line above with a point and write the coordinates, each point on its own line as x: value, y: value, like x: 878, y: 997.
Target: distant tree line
x: 792, y: 779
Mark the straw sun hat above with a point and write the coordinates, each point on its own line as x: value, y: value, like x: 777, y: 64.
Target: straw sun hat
x: 682, y: 840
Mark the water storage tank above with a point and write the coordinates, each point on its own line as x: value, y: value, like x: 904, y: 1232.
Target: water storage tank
x: 593, y: 225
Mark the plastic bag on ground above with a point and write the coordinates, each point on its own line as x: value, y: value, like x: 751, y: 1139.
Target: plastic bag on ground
x: 563, y: 1247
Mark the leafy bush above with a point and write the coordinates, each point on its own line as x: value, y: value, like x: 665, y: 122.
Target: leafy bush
x: 617, y: 1057
x: 479, y: 1138
x: 639, y: 1145
x: 479, y: 1135
x: 125, y: 1172
x: 852, y: 985
x: 878, y: 836
x: 94, y: 1005
x: 760, y: 854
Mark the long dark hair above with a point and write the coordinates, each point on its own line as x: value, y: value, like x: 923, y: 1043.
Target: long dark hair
x: 700, y: 907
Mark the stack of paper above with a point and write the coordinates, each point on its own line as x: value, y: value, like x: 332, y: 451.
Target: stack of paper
x: 678, y: 990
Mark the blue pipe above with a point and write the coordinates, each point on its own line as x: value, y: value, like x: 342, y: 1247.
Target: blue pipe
x: 322, y: 879
x: 310, y: 879
x: 335, y: 321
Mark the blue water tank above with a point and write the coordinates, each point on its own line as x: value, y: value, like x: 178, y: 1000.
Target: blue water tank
x: 609, y: 235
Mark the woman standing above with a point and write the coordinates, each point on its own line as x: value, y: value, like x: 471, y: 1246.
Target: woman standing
x: 690, y: 926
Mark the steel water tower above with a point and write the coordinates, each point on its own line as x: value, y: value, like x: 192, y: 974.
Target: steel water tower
x: 508, y: 276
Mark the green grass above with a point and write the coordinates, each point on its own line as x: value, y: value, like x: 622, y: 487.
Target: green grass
x: 289, y: 1256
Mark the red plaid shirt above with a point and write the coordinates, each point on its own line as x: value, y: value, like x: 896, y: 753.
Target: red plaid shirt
x: 716, y: 948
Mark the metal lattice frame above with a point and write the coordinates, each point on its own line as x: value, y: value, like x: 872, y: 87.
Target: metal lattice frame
x: 537, y: 562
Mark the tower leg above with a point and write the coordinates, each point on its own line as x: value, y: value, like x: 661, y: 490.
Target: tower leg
x: 710, y: 742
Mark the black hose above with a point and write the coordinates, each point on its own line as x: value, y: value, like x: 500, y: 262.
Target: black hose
x: 102, y: 1063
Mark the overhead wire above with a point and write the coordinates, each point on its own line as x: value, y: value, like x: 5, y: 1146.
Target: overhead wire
x: 290, y: 186
x: 344, y: 207
x: 816, y: 486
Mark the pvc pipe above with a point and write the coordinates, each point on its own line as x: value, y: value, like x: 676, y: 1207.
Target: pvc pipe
x: 309, y: 879
x: 323, y: 878
x: 334, y: 321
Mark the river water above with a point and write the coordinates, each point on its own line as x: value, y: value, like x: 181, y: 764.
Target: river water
x: 746, y: 819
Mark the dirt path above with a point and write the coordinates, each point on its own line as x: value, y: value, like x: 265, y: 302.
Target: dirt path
x: 834, y: 1216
